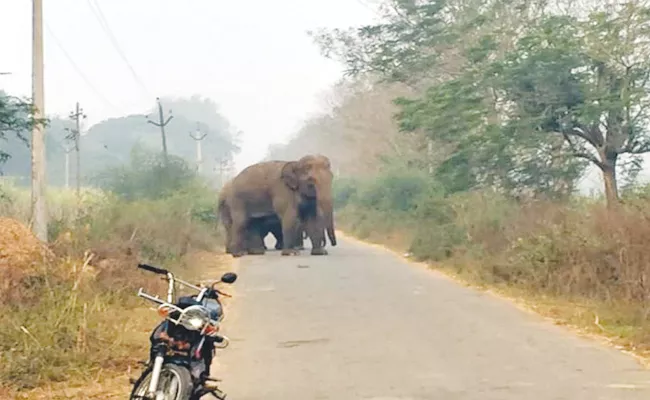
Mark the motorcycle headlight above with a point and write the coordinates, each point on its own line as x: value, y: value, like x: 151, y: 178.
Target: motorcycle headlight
x: 196, y: 322
x: 195, y: 317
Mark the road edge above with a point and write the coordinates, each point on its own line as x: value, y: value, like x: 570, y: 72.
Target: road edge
x: 518, y: 302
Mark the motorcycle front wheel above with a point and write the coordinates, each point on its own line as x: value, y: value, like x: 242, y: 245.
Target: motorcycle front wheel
x: 175, y: 383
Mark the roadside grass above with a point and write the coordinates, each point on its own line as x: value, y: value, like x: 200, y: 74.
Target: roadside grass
x: 74, y: 318
x: 576, y: 262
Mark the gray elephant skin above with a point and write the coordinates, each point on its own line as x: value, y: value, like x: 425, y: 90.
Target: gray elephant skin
x: 298, y: 192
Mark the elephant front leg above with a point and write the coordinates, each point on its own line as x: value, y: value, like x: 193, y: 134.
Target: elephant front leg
x: 289, y: 232
x: 316, y: 233
x: 300, y: 245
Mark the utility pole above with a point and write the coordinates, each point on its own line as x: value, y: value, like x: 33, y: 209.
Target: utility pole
x: 67, y: 151
x: 198, y: 136
x: 161, y: 124
x: 223, y: 166
x: 39, y: 207
x: 75, y: 135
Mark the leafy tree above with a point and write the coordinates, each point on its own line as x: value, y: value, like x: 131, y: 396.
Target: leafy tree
x: 146, y: 176
x: 449, y: 46
x: 408, y: 43
x: 586, y: 81
x: 355, y: 130
x: 109, y: 143
x: 16, y: 118
x: 532, y: 98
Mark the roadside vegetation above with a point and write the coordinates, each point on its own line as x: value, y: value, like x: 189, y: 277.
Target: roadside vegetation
x: 71, y: 317
x: 70, y: 310
x: 463, y: 134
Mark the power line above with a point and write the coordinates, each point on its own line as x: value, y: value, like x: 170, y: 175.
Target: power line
x: 97, y: 12
x: 79, y: 71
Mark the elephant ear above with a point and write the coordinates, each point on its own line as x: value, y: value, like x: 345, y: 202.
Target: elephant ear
x: 290, y: 174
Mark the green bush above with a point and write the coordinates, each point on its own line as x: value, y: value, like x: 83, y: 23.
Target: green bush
x: 344, y: 190
x: 395, y: 190
x: 147, y: 176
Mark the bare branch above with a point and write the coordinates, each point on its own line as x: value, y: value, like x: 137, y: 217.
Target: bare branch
x: 591, y: 158
x: 636, y: 148
x: 581, y: 133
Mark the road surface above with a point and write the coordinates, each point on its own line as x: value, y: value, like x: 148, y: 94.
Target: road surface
x: 363, y: 324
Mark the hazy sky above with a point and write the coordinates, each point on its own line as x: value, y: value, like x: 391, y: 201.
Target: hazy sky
x: 252, y: 57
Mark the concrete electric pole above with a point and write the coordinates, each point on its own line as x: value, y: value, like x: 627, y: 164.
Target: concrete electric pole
x: 75, y: 136
x: 161, y: 124
x: 67, y: 151
x: 39, y: 207
x: 198, y: 136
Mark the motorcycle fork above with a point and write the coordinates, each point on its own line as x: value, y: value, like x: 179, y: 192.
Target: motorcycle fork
x: 155, y: 373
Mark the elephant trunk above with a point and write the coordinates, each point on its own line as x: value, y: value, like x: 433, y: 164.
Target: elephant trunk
x: 326, y: 206
x: 329, y: 225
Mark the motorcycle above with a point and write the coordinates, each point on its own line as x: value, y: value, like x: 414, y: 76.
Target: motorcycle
x: 183, y: 344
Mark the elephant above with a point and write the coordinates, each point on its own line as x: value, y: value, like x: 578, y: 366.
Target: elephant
x: 256, y: 229
x: 273, y: 225
x: 298, y: 192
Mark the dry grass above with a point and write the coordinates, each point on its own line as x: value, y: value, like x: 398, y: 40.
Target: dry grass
x: 72, y: 318
x: 112, y: 381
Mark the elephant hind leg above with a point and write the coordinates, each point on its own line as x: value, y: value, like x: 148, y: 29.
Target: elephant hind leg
x: 239, y: 235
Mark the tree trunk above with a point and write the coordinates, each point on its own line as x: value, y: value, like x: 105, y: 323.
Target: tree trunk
x: 609, y: 177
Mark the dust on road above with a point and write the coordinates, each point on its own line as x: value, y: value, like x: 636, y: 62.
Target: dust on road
x: 362, y: 323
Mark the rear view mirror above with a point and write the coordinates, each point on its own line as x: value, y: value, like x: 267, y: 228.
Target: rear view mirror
x: 229, y: 277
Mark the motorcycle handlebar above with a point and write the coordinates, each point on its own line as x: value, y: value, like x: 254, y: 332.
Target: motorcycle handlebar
x: 153, y: 269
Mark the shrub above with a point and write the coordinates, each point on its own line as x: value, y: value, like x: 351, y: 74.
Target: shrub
x: 69, y: 318
x: 147, y: 176
x: 396, y: 190
x: 344, y: 190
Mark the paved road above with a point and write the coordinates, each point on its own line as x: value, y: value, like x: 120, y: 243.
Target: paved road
x: 363, y: 324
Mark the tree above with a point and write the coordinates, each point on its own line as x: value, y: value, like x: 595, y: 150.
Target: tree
x: 16, y: 118
x: 423, y: 42
x: 530, y: 97
x: 586, y: 81
x: 355, y: 130
x: 109, y: 142
x: 147, y: 176
x: 483, y: 150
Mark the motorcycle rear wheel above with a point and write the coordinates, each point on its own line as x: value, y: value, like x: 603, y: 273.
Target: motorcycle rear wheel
x: 171, y: 377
